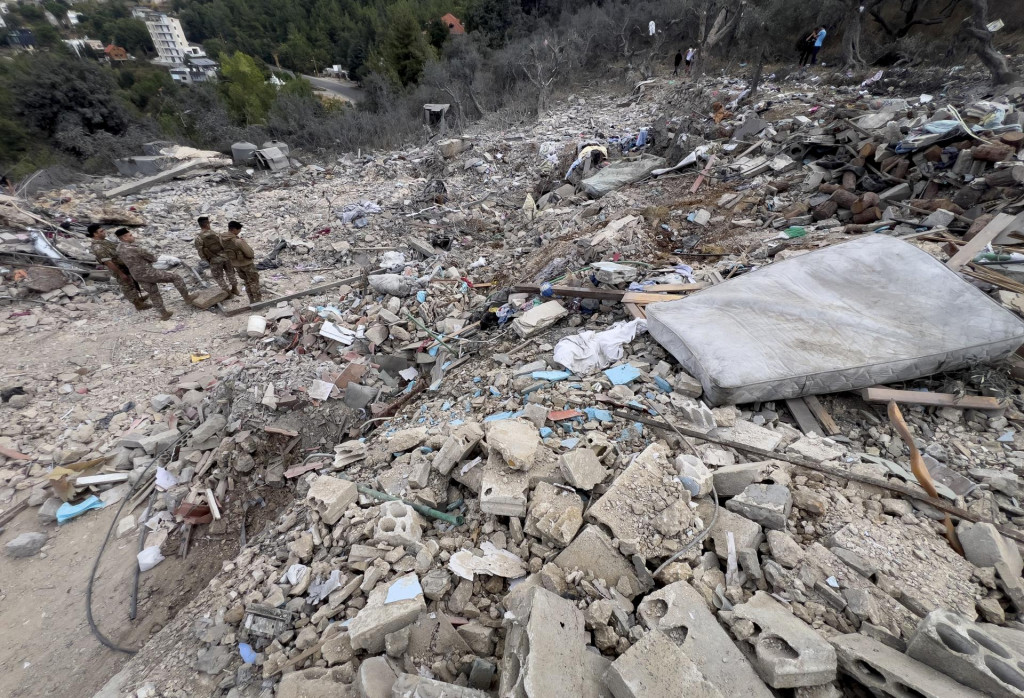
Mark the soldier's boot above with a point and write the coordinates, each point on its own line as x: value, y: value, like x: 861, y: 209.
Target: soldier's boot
x: 142, y: 304
x: 233, y: 290
x: 166, y: 315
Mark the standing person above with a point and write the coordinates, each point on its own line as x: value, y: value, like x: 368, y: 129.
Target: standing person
x: 211, y: 250
x: 819, y: 39
x: 691, y: 56
x: 105, y: 252
x: 140, y: 262
x: 241, y: 257
x: 679, y: 60
x: 804, y: 45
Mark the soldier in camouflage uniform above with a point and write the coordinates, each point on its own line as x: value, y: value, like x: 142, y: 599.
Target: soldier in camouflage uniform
x: 211, y: 250
x: 140, y: 262
x: 241, y: 257
x: 105, y: 252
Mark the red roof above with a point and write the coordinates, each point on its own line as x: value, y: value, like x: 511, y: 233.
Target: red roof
x: 453, y: 23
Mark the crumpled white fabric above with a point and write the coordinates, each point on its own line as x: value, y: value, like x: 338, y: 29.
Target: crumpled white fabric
x: 352, y: 211
x: 591, y: 351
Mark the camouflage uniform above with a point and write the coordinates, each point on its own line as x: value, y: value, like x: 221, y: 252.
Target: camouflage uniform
x: 140, y: 262
x: 106, y: 251
x: 241, y: 255
x: 210, y: 249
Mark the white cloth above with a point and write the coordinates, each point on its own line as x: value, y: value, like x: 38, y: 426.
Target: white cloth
x: 651, y: 28
x: 590, y: 351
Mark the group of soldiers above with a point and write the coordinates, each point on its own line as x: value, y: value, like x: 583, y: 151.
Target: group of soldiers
x: 132, y: 265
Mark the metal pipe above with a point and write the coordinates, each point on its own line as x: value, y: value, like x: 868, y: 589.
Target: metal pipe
x: 453, y: 519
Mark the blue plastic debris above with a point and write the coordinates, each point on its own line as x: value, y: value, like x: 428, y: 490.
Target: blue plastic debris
x: 499, y: 416
x: 421, y: 296
x: 570, y: 443
x: 446, y: 405
x: 247, y: 653
x: 598, y: 414
x: 403, y: 589
x: 663, y: 384
x: 620, y: 375
x: 545, y: 432
x: 494, y: 391
x: 477, y: 393
x: 477, y: 379
x: 456, y: 422
x: 67, y: 511
x: 550, y: 375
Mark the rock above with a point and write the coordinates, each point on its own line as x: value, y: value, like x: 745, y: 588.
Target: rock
x: 730, y: 480
x: 212, y: 427
x: 124, y: 526
x: 784, y: 550
x: 160, y: 441
x: 750, y: 435
x: 555, y: 515
x: 213, y: 660
x: 516, y: 440
x: 535, y: 414
x: 768, y: 505
x: 26, y: 544
x: 48, y: 511
x: 816, y: 448
x: 312, y: 683
x: 479, y: 638
x: 379, y: 617
x: 544, y: 649
x: 694, y: 475
x: 331, y: 496
x: 746, y: 533
x: 593, y: 553
x: 538, y: 318
x: 436, y: 584
x: 581, y: 468
x: 407, y: 439
x: 376, y: 677
x: 984, y: 546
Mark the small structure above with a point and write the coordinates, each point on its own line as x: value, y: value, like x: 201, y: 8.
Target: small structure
x: 21, y: 38
x: 434, y: 117
x: 453, y: 23
x: 115, y: 54
x: 195, y: 70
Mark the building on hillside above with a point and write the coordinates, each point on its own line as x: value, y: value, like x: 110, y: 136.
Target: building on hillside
x: 115, y: 54
x: 21, y: 38
x: 172, y: 48
x: 453, y: 24
x: 84, y: 46
x: 74, y: 17
x: 195, y: 70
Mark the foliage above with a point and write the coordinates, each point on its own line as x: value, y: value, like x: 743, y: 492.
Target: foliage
x: 244, y: 87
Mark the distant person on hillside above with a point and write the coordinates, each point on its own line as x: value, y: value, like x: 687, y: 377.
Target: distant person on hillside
x: 819, y: 39
x: 679, y: 60
x: 691, y: 56
x: 805, y: 46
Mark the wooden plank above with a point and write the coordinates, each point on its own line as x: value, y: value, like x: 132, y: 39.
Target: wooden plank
x: 641, y: 298
x: 915, y: 397
x: 298, y: 294
x: 601, y: 294
x: 822, y: 415
x: 991, y: 276
x: 977, y: 243
x: 804, y: 417
x: 105, y: 479
x: 636, y: 311
x: 674, y: 288
x: 706, y: 171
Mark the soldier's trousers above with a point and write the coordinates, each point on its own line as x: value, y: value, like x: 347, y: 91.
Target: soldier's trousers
x: 129, y: 287
x: 224, y: 274
x: 149, y: 285
x: 251, y: 279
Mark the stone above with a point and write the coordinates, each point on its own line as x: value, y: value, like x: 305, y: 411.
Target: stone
x: 125, y: 525
x: 965, y: 652
x: 686, y: 385
x: 503, y: 491
x: 544, y: 649
x: 581, y: 468
x: 313, y: 683
x: 816, y: 448
x: 594, y: 668
x: 337, y: 649
x: 376, y: 677
x: 516, y: 440
x: 479, y: 638
x: 457, y: 447
x: 784, y: 550
x: 885, y: 671
x: 398, y: 524
x: 213, y: 660
x: 732, y: 479
x: 407, y: 439
x: 162, y: 401
x: 412, y: 686
x: 26, y: 544
x: 555, y: 515
x: 694, y: 475
x: 482, y: 673
x: 593, y: 553
x: 984, y: 546
x: 433, y: 635
x: 209, y: 297
x: 535, y: 414
x: 750, y: 434
x: 681, y: 613
x: 160, y: 441
x: 212, y: 427
x: 631, y: 505
x: 787, y: 652
x: 656, y: 666
x: 436, y: 584
x: 746, y: 533
x: 331, y: 496
x: 768, y: 505
x: 48, y: 511
x: 697, y: 414
x: 538, y: 318
x: 379, y: 617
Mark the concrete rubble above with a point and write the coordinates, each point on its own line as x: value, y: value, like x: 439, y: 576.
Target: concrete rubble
x: 435, y: 505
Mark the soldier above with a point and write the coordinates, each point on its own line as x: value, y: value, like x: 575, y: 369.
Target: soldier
x: 140, y: 262
x: 241, y: 255
x: 105, y: 252
x: 211, y: 250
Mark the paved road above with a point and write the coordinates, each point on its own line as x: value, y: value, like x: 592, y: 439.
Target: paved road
x: 345, y: 89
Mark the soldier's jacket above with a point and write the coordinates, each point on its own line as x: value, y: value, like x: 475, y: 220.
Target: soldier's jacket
x: 237, y: 250
x: 104, y: 251
x: 210, y: 247
x: 138, y: 259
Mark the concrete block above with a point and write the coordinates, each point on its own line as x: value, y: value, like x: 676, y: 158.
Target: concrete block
x: 787, y: 652
x: 750, y: 434
x: 313, y: 683
x: 697, y: 413
x: 503, y: 491
x: 157, y: 442
x: 746, y: 533
x: 376, y: 677
x: 538, y: 318
x: 457, y: 447
x: 984, y: 546
x: 399, y: 524
x: 535, y: 414
x: 816, y: 448
x: 331, y: 497
x: 209, y: 297
x: 412, y: 686
x: 212, y: 427
x: 581, y: 468
x: 594, y: 667
x: 732, y: 479
x: 681, y: 613
x: 555, y: 514
x: 433, y: 636
x: 593, y: 553
x: 694, y: 475
x: 390, y: 607
x: 768, y: 505
x: 634, y: 505
x: 407, y: 439
x: 886, y: 672
x: 516, y: 440
x: 964, y: 651
x: 656, y: 666
x: 784, y: 550
x: 544, y: 649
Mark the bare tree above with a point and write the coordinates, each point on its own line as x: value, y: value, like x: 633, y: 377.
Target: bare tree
x: 716, y: 20
x: 909, y: 9
x: 541, y: 62
x: 976, y: 27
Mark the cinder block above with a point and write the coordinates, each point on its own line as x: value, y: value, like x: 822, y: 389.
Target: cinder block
x: 331, y: 497
x: 544, y: 649
x: 399, y: 524
x: 656, y: 666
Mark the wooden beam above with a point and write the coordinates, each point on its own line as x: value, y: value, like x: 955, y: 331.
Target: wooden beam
x: 804, y: 417
x: 822, y: 415
x: 916, y: 397
x: 977, y: 243
x: 707, y: 171
x: 641, y: 298
x: 291, y: 296
x: 636, y: 311
x: 601, y: 294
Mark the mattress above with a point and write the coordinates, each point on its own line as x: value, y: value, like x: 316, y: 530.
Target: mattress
x: 858, y: 314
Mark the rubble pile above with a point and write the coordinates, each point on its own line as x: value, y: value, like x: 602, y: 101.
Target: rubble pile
x: 505, y: 486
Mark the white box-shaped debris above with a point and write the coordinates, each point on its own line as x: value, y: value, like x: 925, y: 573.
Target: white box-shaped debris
x: 875, y: 310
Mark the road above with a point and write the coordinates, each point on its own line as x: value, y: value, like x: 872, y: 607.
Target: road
x: 339, y: 87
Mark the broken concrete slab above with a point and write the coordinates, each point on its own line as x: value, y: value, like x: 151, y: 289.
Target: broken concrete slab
x: 787, y: 652
x: 516, y: 440
x: 694, y: 475
x: 768, y: 505
x: 593, y: 553
x: 555, y: 514
x: 680, y: 612
x: 964, y: 651
x: 746, y: 533
x: 886, y: 672
x: 984, y: 546
x: 407, y: 439
x: 390, y: 607
x: 816, y: 448
x: 544, y: 649
x: 209, y: 297
x: 314, y: 683
x: 581, y: 468
x: 502, y: 490
x: 213, y: 425
x: 594, y: 667
x: 732, y: 479
x: 140, y: 184
x: 457, y: 447
x: 656, y: 666
x: 539, y: 318
x: 156, y: 443
x: 749, y: 434
x: 331, y: 496
x: 376, y: 677
x: 412, y: 686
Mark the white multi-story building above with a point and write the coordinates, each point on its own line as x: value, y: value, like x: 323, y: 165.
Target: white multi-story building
x: 171, y: 45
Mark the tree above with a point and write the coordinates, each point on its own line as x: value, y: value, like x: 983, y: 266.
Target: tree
x: 976, y: 28
x: 130, y: 34
x: 497, y: 19
x: 405, y: 48
x: 908, y: 12
x: 244, y: 89
x: 541, y: 62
